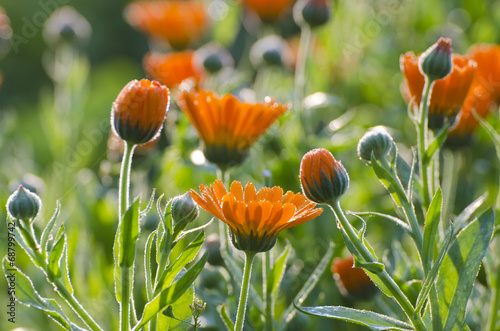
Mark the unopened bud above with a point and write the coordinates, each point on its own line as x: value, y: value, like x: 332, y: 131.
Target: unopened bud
x: 377, y: 141
x: 311, y: 12
x: 184, y: 209
x: 23, y: 204
x: 436, y: 62
x: 272, y: 51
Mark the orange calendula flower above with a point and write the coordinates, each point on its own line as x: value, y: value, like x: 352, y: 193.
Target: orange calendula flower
x: 138, y: 113
x: 323, y: 179
x: 268, y: 10
x: 255, y: 217
x: 171, y: 69
x: 178, y: 22
x: 227, y: 126
x: 352, y: 282
x: 484, y: 93
x: 448, y: 93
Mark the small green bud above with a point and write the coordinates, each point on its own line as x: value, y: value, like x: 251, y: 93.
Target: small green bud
x: 377, y: 141
x: 271, y: 51
x: 311, y: 12
x: 184, y: 210
x: 23, y: 204
x: 436, y: 62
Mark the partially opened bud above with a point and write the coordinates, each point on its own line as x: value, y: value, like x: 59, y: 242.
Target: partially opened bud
x: 138, y: 113
x: 377, y: 141
x: 323, y: 179
x: 311, y: 12
x: 436, y: 62
x: 184, y: 210
x: 23, y: 204
x: 352, y: 282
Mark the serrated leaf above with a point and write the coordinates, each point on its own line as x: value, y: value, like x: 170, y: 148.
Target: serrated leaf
x: 278, y: 271
x: 460, y: 267
x: 435, y: 144
x: 26, y: 293
x: 55, y: 255
x: 48, y: 228
x: 148, y: 207
x: 172, y: 293
x: 431, y: 229
x: 370, y: 319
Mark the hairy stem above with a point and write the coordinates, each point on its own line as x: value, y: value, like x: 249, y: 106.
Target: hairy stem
x: 245, y: 287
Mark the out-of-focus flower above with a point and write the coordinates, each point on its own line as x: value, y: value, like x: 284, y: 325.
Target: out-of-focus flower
x: 66, y: 25
x: 352, y: 282
x: 23, y: 204
x: 212, y: 58
x: 377, y: 141
x: 227, y: 126
x: 5, y: 33
x: 447, y: 95
x: 171, y: 69
x: 323, y: 179
x: 255, y: 217
x: 311, y: 12
x: 180, y: 23
x: 268, y: 11
x: 437, y: 62
x: 271, y: 50
x: 484, y: 94
x: 138, y: 113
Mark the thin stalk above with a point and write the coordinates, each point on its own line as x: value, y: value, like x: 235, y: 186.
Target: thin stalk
x: 495, y: 302
x: 245, y: 287
x: 423, y: 138
x: 383, y: 275
x: 223, y: 175
x: 300, y: 73
x: 124, y: 198
x: 268, y: 293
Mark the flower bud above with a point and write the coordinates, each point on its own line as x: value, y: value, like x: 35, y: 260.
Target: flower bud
x: 271, y: 50
x: 213, y: 58
x: 184, y: 210
x: 66, y: 25
x: 377, y: 141
x: 311, y: 12
x: 436, y: 62
x: 139, y: 111
x: 352, y: 282
x: 23, y: 204
x: 323, y: 179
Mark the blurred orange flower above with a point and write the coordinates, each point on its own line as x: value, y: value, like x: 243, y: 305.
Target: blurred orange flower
x: 227, y: 126
x: 171, y: 69
x: 352, y: 282
x: 448, y: 93
x: 255, y: 217
x: 268, y: 10
x: 138, y: 113
x: 484, y: 93
x: 178, y: 22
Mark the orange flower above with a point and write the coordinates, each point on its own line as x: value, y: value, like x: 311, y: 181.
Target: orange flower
x: 178, y: 22
x: 484, y: 93
x: 255, y: 218
x: 139, y: 111
x: 323, y: 178
x: 268, y: 10
x: 448, y: 94
x: 171, y: 69
x: 227, y: 126
x: 352, y: 282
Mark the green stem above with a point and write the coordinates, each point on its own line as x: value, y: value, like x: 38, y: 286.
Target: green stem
x: 450, y: 180
x: 124, y: 194
x: 268, y: 295
x: 300, y: 76
x: 383, y: 275
x: 495, y: 298
x: 245, y: 287
x: 423, y: 138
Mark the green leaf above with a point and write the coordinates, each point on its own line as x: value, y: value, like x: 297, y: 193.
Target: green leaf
x: 225, y: 318
x: 370, y: 319
x: 55, y: 255
x: 26, y: 293
x: 460, y: 267
x: 431, y: 229
x: 396, y: 220
x: 278, y: 271
x: 148, y: 274
x: 435, y: 144
x: 172, y: 293
x: 181, y: 312
x: 148, y: 207
x: 388, y: 181
x: 309, y: 285
x: 185, y: 233
x: 464, y: 217
x: 48, y: 228
x: 129, y: 233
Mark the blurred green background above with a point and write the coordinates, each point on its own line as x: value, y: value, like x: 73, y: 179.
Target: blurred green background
x: 62, y: 150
